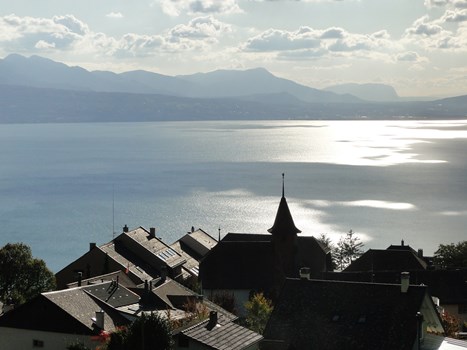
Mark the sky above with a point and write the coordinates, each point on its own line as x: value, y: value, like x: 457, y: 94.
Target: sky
x: 417, y: 46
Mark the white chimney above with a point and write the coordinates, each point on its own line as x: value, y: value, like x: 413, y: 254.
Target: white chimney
x: 405, y: 281
x: 305, y: 273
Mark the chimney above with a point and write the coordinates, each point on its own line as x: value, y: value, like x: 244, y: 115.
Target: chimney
x: 405, y: 280
x: 99, y: 319
x: 163, y: 273
x: 420, y: 253
x: 125, y: 228
x: 212, y: 319
x: 152, y: 232
x: 80, y: 278
x: 305, y: 273
x: 92, y: 245
x: 402, y: 243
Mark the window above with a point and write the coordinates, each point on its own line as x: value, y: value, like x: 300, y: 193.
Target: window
x: 37, y: 343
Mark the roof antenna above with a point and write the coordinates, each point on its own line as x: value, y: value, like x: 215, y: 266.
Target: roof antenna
x: 219, y: 239
x: 283, y: 185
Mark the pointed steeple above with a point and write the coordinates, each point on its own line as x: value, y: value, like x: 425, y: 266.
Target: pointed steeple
x: 283, y: 224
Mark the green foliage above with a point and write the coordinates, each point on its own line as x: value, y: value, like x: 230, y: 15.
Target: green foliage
x: 451, y: 255
x: 258, y: 310
x: 330, y: 247
x: 451, y: 324
x: 22, y: 277
x: 347, y: 250
x: 147, y: 332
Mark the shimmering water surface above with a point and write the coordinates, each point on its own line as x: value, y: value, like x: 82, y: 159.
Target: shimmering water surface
x: 65, y: 185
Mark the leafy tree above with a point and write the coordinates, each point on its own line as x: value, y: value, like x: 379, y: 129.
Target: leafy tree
x: 258, y: 310
x: 451, y: 324
x: 22, y: 276
x: 327, y: 243
x: 347, y: 250
x: 146, y: 332
x: 451, y: 255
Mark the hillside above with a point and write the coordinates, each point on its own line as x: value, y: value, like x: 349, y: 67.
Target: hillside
x: 37, y: 90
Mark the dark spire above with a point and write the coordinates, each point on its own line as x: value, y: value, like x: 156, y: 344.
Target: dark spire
x: 283, y: 191
x: 283, y: 224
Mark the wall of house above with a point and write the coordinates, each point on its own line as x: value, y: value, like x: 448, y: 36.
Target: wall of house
x: 453, y: 310
x: 23, y: 339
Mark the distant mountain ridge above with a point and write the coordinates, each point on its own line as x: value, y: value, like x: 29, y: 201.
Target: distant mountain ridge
x: 36, y: 90
x: 369, y: 92
x: 41, y: 72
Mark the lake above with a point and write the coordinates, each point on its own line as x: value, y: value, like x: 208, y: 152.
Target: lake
x: 63, y: 186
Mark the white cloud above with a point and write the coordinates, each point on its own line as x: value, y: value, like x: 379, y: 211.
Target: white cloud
x: 198, y: 33
x: 279, y: 40
x: 455, y: 16
x: 177, y: 7
x: 116, y: 15
x: 44, y: 45
x: 410, y: 56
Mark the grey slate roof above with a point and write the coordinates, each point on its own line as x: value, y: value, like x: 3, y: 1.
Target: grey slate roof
x: 246, y: 261
x: 67, y: 311
x: 225, y: 335
x: 317, y: 314
x: 387, y: 260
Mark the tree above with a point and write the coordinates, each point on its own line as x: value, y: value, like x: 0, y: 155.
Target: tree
x: 451, y: 255
x: 149, y: 331
x: 258, y: 310
x: 329, y: 246
x: 22, y: 277
x: 347, y: 250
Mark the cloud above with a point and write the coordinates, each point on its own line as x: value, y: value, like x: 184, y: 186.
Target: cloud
x: 423, y: 27
x: 455, y: 16
x: 280, y: 40
x: 116, y: 15
x: 410, y: 56
x: 29, y: 33
x: 193, y: 7
x: 436, y: 3
x: 201, y: 29
x: 307, y: 43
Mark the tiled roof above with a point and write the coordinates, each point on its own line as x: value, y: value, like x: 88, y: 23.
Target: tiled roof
x: 246, y: 261
x: 65, y: 311
x: 153, y: 245
x: 225, y: 335
x: 448, y: 285
x: 346, y: 315
x: 387, y: 260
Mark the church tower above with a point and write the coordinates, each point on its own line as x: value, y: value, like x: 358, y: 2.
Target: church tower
x: 284, y: 240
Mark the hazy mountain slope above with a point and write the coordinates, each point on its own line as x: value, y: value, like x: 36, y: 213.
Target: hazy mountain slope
x: 223, y: 83
x: 367, y: 92
x: 36, y: 71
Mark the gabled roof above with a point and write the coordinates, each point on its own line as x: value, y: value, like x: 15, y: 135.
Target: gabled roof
x: 141, y: 242
x: 238, y: 265
x: 387, y: 260
x: 246, y: 261
x: 348, y: 315
x: 68, y: 311
x: 225, y: 335
x: 283, y: 224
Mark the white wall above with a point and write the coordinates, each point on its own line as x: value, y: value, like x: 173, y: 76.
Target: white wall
x: 22, y: 339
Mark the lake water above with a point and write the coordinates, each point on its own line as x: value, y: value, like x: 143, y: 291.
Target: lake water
x: 65, y: 185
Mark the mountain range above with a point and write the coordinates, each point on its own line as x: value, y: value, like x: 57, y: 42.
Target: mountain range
x: 36, y: 89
